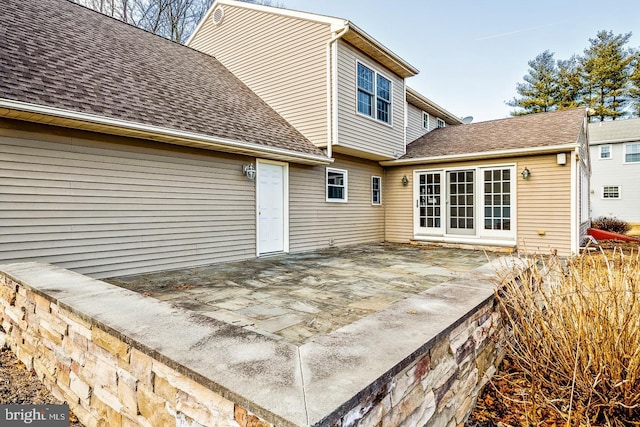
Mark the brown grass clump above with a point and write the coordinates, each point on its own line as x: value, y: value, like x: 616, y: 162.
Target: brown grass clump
x: 574, y: 337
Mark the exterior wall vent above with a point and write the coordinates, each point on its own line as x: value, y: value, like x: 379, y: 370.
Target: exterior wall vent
x: 218, y: 15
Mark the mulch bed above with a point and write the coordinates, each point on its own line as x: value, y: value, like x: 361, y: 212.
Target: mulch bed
x: 18, y: 385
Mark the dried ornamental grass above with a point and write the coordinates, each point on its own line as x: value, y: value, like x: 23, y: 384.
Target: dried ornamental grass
x: 575, y: 338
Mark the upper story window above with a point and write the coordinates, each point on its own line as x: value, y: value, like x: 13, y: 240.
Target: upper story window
x: 425, y: 120
x: 632, y: 153
x: 336, y: 185
x: 605, y: 151
x: 374, y: 94
x: 441, y: 123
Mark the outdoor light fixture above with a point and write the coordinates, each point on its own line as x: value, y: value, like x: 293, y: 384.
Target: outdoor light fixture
x: 249, y: 171
x: 526, y: 173
x: 405, y: 180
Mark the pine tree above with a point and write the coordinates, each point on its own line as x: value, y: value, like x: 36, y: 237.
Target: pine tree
x: 634, y: 91
x: 539, y: 92
x: 569, y: 80
x: 606, y: 74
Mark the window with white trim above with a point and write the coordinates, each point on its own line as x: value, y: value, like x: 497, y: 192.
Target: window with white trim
x: 374, y: 94
x: 336, y: 185
x: 425, y: 120
x: 632, y: 153
x: 441, y: 123
x: 611, y: 192
x: 376, y: 190
x: 605, y: 152
x: 497, y: 199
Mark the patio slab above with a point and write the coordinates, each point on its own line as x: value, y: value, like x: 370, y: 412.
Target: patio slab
x: 295, y: 297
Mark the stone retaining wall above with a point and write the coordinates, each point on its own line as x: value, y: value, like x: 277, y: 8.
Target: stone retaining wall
x: 106, y: 381
x: 112, y: 380
x: 440, y: 386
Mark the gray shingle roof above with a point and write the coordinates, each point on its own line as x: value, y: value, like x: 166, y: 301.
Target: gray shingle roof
x: 58, y: 54
x: 614, y: 131
x: 531, y: 131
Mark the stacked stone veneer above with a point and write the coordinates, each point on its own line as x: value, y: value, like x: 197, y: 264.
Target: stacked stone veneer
x: 106, y: 381
x: 111, y: 380
x: 439, y: 387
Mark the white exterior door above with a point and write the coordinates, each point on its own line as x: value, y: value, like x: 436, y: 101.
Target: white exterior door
x: 272, y: 207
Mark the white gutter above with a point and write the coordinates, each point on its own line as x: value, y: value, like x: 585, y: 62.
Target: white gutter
x: 481, y: 155
x: 222, y: 144
x: 332, y: 89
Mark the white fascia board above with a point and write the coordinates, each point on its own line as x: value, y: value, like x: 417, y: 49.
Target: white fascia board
x: 429, y: 103
x: 221, y: 144
x: 483, y: 155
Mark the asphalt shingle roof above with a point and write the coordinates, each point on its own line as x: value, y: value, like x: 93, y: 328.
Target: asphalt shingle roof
x: 55, y: 53
x: 614, y: 131
x: 531, y: 131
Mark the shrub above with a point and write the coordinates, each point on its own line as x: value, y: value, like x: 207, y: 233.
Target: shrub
x: 612, y: 224
x: 574, y: 334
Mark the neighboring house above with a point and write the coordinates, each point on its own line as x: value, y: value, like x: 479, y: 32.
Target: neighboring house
x: 122, y: 152
x: 615, y: 154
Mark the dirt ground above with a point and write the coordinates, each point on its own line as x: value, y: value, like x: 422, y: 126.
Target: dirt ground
x: 21, y: 386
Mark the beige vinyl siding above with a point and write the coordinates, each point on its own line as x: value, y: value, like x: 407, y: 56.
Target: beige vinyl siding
x: 414, y: 123
x: 544, y: 205
x: 107, y: 206
x: 316, y: 223
x: 282, y: 59
x: 359, y: 134
x: 543, y: 202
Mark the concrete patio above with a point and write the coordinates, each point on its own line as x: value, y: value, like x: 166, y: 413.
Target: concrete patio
x: 295, y: 297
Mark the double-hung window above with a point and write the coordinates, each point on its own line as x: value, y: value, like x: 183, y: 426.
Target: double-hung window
x: 605, y: 151
x: 632, y: 153
x: 425, y: 120
x: 336, y: 185
x: 376, y: 190
x: 374, y: 94
x: 441, y: 123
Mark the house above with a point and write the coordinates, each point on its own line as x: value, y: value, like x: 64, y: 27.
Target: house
x: 123, y: 152
x: 323, y: 73
x: 615, y: 150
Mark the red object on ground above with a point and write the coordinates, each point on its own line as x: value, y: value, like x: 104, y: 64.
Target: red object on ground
x: 608, y: 235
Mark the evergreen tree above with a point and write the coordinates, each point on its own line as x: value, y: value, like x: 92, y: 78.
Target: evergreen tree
x: 569, y: 80
x: 539, y: 91
x: 606, y: 74
x: 634, y: 91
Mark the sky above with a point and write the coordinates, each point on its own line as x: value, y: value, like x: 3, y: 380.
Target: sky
x: 471, y: 54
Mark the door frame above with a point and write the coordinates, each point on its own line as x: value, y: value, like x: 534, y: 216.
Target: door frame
x: 285, y: 202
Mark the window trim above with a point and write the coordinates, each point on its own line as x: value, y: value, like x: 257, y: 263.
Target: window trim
x: 345, y: 173
x: 602, y: 192
x: 373, y: 178
x: 600, y: 152
x: 626, y: 145
x: 374, y: 105
x: 425, y: 115
x: 438, y: 121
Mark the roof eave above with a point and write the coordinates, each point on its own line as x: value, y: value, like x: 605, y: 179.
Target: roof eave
x: 416, y: 98
x: 497, y: 154
x: 44, y: 114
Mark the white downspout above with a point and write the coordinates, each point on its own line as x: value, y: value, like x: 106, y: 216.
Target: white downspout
x: 575, y: 210
x: 332, y: 89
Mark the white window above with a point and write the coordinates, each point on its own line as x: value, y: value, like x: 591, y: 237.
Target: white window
x: 632, y: 153
x: 376, y: 190
x: 611, y: 192
x: 605, y: 151
x: 497, y: 199
x: 441, y: 123
x: 336, y: 185
x: 425, y: 120
x: 374, y: 94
